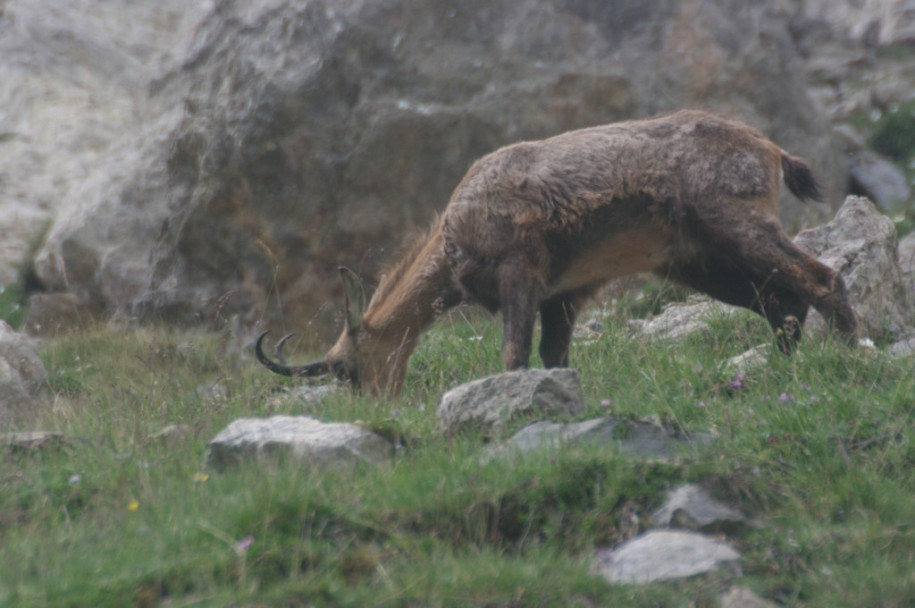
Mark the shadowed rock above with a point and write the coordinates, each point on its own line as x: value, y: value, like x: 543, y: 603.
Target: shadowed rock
x: 631, y: 437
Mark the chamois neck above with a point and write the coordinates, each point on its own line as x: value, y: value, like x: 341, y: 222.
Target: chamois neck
x: 410, y: 294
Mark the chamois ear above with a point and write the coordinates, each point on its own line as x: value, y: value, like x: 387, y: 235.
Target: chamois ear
x: 353, y: 297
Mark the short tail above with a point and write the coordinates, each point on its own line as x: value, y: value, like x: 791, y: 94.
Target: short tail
x: 800, y: 179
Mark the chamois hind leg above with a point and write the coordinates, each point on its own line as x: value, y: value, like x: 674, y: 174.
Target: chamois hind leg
x: 721, y: 279
x: 557, y: 320
x: 519, y: 294
x: 758, y: 245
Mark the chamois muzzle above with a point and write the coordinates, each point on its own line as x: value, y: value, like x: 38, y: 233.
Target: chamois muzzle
x: 309, y: 370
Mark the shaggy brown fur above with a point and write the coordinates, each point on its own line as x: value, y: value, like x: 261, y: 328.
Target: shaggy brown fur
x: 539, y: 227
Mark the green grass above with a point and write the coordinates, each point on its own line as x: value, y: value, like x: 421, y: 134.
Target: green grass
x: 819, y: 447
x: 12, y: 304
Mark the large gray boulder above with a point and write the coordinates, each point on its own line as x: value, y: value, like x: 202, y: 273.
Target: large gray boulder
x: 75, y: 77
x: 292, y: 137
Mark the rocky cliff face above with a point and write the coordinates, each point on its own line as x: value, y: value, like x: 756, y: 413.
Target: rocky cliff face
x: 221, y: 161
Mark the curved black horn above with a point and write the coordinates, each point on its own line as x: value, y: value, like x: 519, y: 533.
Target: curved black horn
x: 279, y: 349
x: 318, y: 368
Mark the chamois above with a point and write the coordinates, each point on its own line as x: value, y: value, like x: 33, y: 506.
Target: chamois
x: 540, y: 226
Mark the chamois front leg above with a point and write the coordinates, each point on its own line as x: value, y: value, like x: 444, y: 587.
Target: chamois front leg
x: 557, y: 320
x: 519, y: 294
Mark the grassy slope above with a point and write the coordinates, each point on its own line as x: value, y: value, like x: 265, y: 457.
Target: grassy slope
x: 819, y: 446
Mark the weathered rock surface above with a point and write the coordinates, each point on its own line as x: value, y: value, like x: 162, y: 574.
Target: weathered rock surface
x: 691, y: 507
x: 75, y: 78
x: 489, y: 404
x: 907, y: 265
x: 635, y: 438
x: 872, y: 22
x: 860, y: 243
x: 315, y: 443
x: 21, y: 371
x: 282, y: 139
x: 661, y: 555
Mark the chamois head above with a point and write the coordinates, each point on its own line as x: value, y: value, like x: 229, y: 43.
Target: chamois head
x: 352, y: 359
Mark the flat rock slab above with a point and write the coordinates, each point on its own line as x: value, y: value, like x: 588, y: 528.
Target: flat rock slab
x: 488, y: 404
x: 662, y: 555
x: 691, y: 507
x: 631, y: 437
x: 315, y: 443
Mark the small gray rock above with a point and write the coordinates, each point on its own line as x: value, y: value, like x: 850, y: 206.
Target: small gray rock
x: 661, y: 555
x: 692, y: 508
x: 488, y: 404
x: 314, y: 442
x: 904, y: 347
x: 750, y: 360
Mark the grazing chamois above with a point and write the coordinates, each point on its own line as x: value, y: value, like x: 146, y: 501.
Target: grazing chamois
x: 540, y: 226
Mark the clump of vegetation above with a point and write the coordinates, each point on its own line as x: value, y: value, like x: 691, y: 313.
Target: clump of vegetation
x: 894, y: 133
x: 14, y: 297
x: 818, y: 447
x: 12, y: 304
